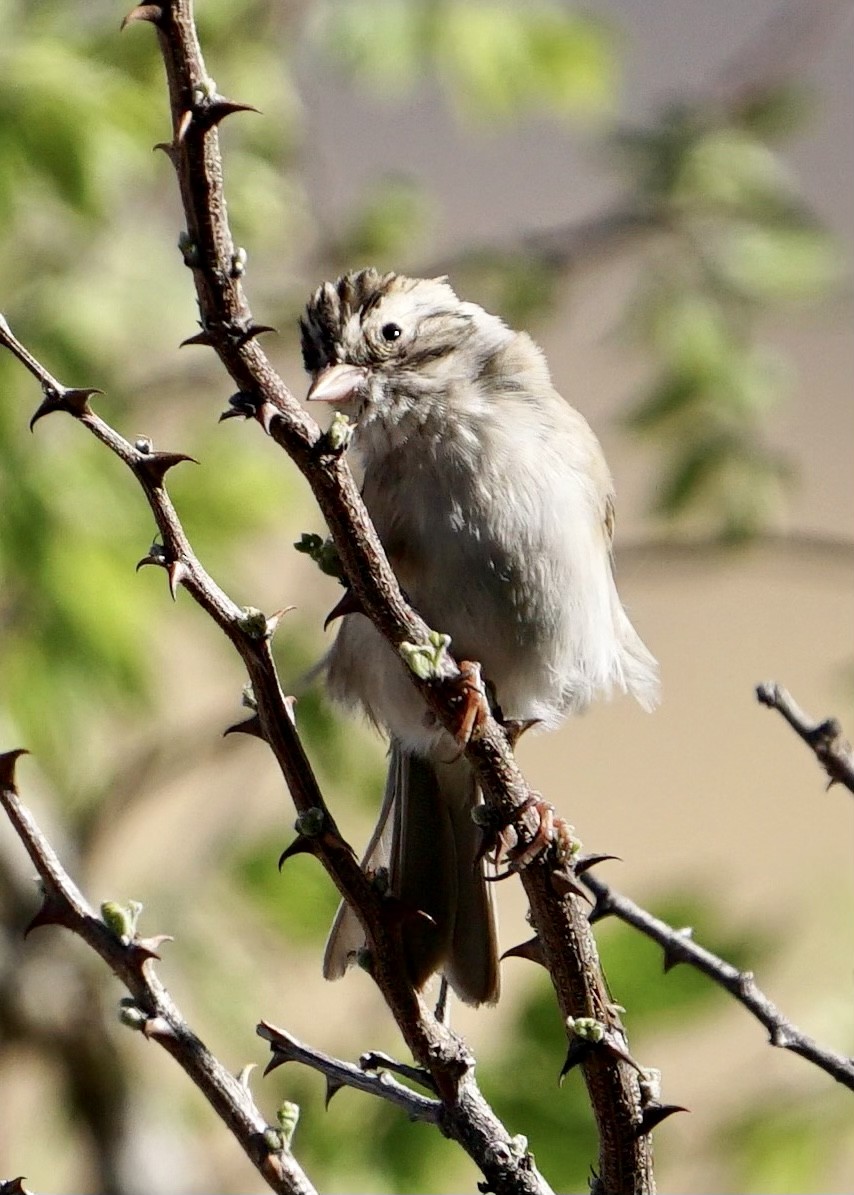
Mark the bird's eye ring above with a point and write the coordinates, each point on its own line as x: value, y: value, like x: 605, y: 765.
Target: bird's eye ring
x: 391, y: 331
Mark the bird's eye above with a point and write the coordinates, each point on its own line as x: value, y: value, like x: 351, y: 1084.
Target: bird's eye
x: 391, y: 331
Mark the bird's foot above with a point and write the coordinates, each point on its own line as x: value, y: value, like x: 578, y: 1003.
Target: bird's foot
x: 512, y: 841
x: 470, y: 702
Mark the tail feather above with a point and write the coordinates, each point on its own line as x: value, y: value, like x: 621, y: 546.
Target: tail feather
x: 638, y: 665
x: 427, y: 836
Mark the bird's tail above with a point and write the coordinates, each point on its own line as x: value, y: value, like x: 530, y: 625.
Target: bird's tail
x: 427, y: 838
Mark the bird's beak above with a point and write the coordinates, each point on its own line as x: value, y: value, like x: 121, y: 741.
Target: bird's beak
x: 337, y: 384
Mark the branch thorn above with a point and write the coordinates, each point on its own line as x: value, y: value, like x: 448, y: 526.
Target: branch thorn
x: 157, y: 1027
x: 672, y: 956
x: 75, y: 401
x: 143, y: 12
x: 51, y: 912
x: 301, y: 845
x: 241, y: 405
x: 244, y: 1074
x: 8, y: 760
x: 585, y: 862
x: 601, y: 908
x: 654, y: 1114
x: 177, y: 571
x: 563, y: 884
x: 252, y: 331
x: 157, y: 554
x: 350, y: 603
x: 202, y: 338
x: 183, y: 125
x: 217, y: 109
x: 155, y: 465
x: 531, y: 950
x: 149, y: 947
x: 167, y: 147
x: 251, y: 726
x: 579, y: 1050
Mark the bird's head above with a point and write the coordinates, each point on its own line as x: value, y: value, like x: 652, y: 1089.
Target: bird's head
x: 378, y: 346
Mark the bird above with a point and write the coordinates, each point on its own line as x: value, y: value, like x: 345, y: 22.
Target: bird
x: 495, y: 507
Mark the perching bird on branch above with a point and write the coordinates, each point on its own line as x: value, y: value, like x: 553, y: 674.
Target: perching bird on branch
x: 494, y: 505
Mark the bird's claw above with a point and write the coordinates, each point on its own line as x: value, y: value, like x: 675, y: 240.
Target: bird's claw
x: 514, y: 844
x: 471, y: 705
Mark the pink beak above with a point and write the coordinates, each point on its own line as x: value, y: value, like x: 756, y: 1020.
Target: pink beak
x: 337, y: 384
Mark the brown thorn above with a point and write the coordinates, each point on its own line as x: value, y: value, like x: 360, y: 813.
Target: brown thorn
x: 74, y: 401
x: 251, y: 332
x: 167, y: 147
x: 273, y: 625
x: 333, y: 1086
x: 531, y: 950
x: 14, y: 1186
x: 211, y: 114
x: 585, y: 862
x: 579, y: 1050
x: 265, y: 415
x: 612, y: 1046
x: 258, y: 330
x: 350, y: 603
x: 8, y: 760
x: 150, y: 946
x: 672, y: 957
x: 602, y: 908
x: 202, y: 338
x: 514, y: 728
x: 157, y: 1027
x: 241, y: 405
x: 653, y: 1114
x: 252, y: 726
x: 279, y: 1059
x: 177, y: 571
x: 301, y: 845
x: 563, y: 884
x: 183, y: 125
x: 157, y: 464
x: 51, y: 912
x: 143, y: 12
x: 158, y: 555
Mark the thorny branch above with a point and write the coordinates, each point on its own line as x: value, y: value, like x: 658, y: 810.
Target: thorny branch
x: 825, y: 739
x: 679, y: 947
x: 152, y: 1010
x: 566, y: 942
x: 374, y: 1079
x: 465, y: 1115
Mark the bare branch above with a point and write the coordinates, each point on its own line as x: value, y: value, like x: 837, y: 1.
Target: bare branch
x: 340, y: 1074
x: 152, y: 1009
x: 679, y: 947
x: 825, y: 739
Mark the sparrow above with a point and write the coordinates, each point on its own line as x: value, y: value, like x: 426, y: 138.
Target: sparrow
x: 495, y: 507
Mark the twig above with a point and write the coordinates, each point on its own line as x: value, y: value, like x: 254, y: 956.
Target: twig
x: 679, y: 947
x: 153, y: 1010
x: 286, y: 1048
x: 825, y: 739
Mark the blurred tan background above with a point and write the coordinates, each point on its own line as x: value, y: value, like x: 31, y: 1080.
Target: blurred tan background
x: 711, y: 800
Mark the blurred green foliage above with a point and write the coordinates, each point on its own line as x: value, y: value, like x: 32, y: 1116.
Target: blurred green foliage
x: 494, y: 59
x: 93, y: 282
x: 735, y: 242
